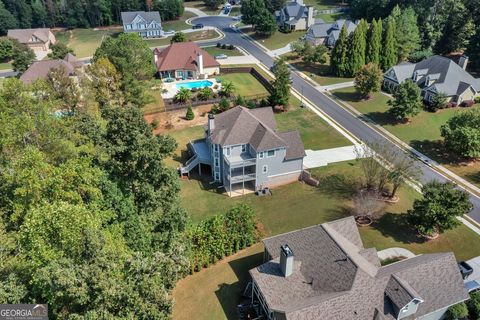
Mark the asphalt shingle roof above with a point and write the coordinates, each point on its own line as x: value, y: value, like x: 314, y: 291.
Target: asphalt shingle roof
x: 256, y: 127
x: 334, y: 277
x: 24, y: 35
x: 129, y: 16
x: 447, y: 76
x: 41, y: 69
x: 182, y: 56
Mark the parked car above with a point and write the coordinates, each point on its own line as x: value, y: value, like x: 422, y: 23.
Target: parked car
x: 221, y: 56
x: 198, y: 26
x: 226, y: 11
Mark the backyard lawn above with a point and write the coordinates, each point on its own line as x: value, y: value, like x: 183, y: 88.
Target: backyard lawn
x: 191, y: 36
x: 157, y: 104
x: 218, y: 288
x: 245, y: 84
x: 178, y: 24
x: 214, y: 51
x: 277, y: 40
x: 319, y: 73
x: 323, y: 4
x: 422, y: 133
x: 84, y: 42
x: 5, y: 66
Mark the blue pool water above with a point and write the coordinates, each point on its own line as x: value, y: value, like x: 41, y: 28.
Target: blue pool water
x: 195, y: 84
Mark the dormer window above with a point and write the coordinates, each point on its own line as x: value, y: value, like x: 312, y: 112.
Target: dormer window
x: 244, y: 148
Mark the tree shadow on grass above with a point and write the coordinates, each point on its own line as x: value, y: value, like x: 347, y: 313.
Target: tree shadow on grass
x: 231, y: 294
x: 382, y: 118
x: 434, y: 149
x: 348, y: 96
x: 183, y: 157
x: 339, y: 185
x: 396, y: 226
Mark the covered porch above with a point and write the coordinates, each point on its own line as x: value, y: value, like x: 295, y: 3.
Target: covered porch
x: 178, y: 74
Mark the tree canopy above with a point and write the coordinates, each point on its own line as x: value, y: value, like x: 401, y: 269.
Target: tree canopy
x: 462, y: 133
x: 407, y: 101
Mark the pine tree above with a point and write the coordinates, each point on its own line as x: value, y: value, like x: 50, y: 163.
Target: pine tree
x: 338, y: 61
x: 357, y: 48
x: 374, y: 42
x: 406, y: 33
x: 389, y: 49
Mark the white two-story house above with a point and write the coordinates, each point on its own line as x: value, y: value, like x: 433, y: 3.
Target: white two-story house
x: 146, y: 24
x: 244, y: 151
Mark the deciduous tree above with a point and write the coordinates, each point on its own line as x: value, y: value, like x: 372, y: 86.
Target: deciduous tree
x: 462, y: 133
x: 59, y: 50
x: 368, y: 79
x: 407, y: 101
x: 439, y: 208
x: 281, y: 84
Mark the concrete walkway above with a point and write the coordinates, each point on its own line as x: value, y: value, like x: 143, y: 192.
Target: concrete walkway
x: 196, y: 11
x: 278, y: 52
x: 394, y: 252
x: 320, y: 158
x: 336, y: 86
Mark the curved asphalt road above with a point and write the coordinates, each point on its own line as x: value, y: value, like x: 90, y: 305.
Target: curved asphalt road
x: 352, y: 123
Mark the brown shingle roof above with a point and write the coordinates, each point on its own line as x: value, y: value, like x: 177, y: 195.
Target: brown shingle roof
x: 41, y: 69
x: 24, y: 35
x: 346, y: 283
x: 182, y: 55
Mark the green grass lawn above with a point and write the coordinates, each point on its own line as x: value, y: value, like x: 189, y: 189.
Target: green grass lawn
x: 2, y: 80
x: 235, y: 11
x: 191, y: 36
x: 201, y: 6
x: 277, y: 40
x: 315, y: 132
x: 5, y: 66
x: 214, y: 51
x: 157, y: 104
x: 245, y: 84
x: 323, y: 4
x: 331, y: 17
x: 291, y: 207
x: 178, y: 24
x: 319, y: 73
x: 422, y: 133
x: 84, y: 42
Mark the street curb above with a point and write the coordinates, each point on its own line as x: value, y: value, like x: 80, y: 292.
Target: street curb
x: 420, y: 156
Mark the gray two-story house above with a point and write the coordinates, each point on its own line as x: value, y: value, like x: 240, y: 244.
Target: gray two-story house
x: 244, y: 151
x: 146, y: 24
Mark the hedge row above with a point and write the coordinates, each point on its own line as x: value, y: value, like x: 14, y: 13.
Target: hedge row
x: 222, y: 235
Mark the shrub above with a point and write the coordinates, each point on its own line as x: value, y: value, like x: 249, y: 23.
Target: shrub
x: 224, y: 46
x: 231, y: 47
x: 264, y: 103
x: 154, y: 124
x: 224, y: 105
x: 458, y: 311
x: 239, y: 101
x: 467, y: 103
x: 219, y: 45
x: 474, y: 305
x: 222, y: 235
x: 251, y: 104
x: 189, y: 115
x: 477, y: 99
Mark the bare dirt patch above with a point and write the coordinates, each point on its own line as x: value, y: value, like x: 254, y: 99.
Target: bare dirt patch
x: 173, y: 120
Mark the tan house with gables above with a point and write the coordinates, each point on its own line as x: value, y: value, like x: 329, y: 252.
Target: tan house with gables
x: 36, y: 39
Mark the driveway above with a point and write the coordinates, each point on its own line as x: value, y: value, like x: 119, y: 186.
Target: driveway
x: 320, y: 158
x: 354, y: 124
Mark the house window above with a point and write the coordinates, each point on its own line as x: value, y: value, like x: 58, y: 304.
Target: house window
x: 405, y: 309
x: 227, y: 151
x: 244, y: 148
x: 217, y: 163
x: 215, y: 147
x: 265, y: 168
x: 270, y: 153
x: 217, y: 176
x: 260, y: 154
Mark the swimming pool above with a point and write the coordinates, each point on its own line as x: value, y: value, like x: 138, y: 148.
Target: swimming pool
x: 194, y: 84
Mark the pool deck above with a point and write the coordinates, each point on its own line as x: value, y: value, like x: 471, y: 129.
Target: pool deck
x: 171, y: 87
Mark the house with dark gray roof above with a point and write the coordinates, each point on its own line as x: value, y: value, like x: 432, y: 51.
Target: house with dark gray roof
x: 295, y: 16
x: 328, y: 33
x: 146, y: 24
x: 434, y: 75
x: 243, y: 150
x: 324, y: 272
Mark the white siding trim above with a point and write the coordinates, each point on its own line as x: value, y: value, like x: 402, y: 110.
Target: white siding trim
x: 284, y: 174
